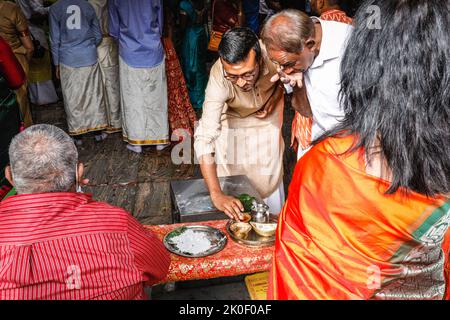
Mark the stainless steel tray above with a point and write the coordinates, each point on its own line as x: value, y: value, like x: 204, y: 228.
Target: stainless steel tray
x: 191, y: 201
x: 217, y: 239
x: 253, y: 239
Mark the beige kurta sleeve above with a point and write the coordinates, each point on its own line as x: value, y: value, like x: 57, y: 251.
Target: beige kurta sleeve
x: 218, y: 92
x: 20, y: 21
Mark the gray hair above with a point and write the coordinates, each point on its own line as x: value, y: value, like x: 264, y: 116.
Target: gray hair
x: 288, y: 31
x: 43, y: 158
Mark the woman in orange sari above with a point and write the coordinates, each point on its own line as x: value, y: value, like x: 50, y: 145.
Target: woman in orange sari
x: 368, y: 213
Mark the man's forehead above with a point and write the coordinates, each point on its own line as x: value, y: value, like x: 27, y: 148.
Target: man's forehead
x: 281, y: 56
x: 248, y: 63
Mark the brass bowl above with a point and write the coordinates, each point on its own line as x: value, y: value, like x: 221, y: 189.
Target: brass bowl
x: 240, y: 229
x: 247, y: 217
x: 264, y: 229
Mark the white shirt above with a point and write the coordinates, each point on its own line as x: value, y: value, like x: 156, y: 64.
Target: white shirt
x: 322, y: 79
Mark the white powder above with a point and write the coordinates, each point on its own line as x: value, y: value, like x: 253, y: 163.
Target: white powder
x: 192, y: 242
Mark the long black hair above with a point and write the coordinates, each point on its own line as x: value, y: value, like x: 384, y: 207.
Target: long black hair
x: 395, y: 90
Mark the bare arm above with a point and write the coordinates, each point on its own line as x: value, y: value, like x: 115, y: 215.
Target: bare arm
x: 300, y: 101
x: 231, y: 206
x: 21, y: 25
x: 206, y: 135
x: 28, y: 45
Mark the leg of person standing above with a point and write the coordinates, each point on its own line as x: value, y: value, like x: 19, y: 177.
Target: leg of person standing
x: 143, y: 94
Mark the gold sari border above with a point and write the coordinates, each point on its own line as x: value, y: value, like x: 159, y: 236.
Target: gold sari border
x: 143, y: 142
x: 83, y: 131
x: 113, y: 130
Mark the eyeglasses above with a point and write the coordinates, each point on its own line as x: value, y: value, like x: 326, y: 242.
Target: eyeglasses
x: 248, y: 76
x: 288, y: 65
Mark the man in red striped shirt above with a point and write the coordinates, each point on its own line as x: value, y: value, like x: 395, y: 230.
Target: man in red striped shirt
x: 56, y: 243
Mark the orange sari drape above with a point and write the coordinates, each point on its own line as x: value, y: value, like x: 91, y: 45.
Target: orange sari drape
x: 340, y: 237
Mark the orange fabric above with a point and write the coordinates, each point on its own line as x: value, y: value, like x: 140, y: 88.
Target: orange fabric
x: 336, y: 15
x: 446, y: 249
x: 302, y: 126
x: 301, y: 131
x: 340, y: 237
x: 235, y: 259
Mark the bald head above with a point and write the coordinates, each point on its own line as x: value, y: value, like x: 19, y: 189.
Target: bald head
x: 288, y: 31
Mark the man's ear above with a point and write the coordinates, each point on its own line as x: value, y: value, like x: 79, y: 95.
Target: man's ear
x: 310, y: 43
x: 8, y: 175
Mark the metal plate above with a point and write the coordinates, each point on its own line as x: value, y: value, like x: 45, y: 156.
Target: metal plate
x: 253, y: 239
x: 217, y: 239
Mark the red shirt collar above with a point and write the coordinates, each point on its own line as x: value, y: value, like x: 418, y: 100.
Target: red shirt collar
x: 44, y: 200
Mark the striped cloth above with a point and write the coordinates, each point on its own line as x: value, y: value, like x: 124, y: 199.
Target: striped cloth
x: 68, y: 246
x: 302, y: 126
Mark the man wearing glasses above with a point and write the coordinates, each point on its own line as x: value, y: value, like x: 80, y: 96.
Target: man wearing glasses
x: 308, y: 52
x: 240, y: 129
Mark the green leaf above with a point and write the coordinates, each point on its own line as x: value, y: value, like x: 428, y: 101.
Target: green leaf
x: 246, y: 201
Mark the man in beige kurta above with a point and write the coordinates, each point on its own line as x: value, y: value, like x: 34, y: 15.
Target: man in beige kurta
x: 241, y: 122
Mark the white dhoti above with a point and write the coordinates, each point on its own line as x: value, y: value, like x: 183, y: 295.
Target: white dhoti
x: 84, y: 100
x: 42, y: 93
x: 143, y: 93
x: 108, y: 59
x: 40, y: 85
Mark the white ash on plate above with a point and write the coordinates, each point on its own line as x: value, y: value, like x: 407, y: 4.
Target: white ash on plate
x: 192, y: 242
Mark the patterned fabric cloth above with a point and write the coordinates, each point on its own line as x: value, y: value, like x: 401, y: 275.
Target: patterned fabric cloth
x: 336, y: 15
x: 302, y: 126
x: 340, y: 236
x: 235, y: 259
x: 68, y: 246
x: 181, y: 113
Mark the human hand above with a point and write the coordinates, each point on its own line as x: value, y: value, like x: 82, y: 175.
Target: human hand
x: 231, y: 206
x: 57, y: 73
x: 263, y: 113
x: 294, y: 79
x: 260, y: 114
